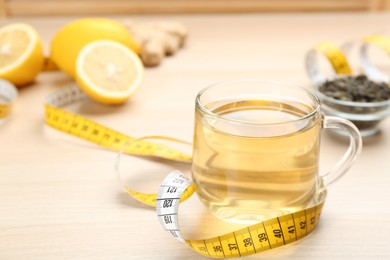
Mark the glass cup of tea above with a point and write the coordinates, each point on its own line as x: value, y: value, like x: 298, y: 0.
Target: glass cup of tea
x: 257, y: 146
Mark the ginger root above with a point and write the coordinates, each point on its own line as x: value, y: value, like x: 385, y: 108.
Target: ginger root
x: 157, y: 39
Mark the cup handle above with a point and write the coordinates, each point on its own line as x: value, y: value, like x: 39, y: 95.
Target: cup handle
x: 353, y: 152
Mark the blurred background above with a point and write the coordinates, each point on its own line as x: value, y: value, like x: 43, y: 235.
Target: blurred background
x: 10, y: 8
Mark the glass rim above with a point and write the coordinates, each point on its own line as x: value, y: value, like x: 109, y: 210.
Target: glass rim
x: 208, y: 112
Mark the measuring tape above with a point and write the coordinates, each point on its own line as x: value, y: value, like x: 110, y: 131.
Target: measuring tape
x: 249, y: 240
x: 91, y: 131
x: 8, y: 94
x: 334, y: 55
x: 383, y: 43
x: 96, y: 133
x: 263, y: 236
x: 337, y: 57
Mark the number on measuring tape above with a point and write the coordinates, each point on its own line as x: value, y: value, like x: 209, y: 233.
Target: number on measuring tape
x: 262, y: 237
x: 277, y: 233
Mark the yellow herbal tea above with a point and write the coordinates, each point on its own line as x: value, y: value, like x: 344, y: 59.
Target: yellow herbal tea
x: 256, y: 159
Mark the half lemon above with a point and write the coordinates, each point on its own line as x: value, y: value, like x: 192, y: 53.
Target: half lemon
x: 21, y: 53
x: 108, y: 71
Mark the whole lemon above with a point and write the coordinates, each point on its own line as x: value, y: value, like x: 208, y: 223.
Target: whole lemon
x: 69, y: 40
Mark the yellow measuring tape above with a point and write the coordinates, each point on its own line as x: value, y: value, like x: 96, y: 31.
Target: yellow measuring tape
x: 383, y: 42
x: 249, y: 240
x: 337, y: 58
x: 8, y: 94
x: 334, y: 55
x: 263, y: 236
x: 96, y: 133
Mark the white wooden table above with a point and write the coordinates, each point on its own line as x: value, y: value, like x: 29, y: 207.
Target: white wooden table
x: 59, y: 198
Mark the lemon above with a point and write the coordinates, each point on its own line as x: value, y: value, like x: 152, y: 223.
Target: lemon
x: 108, y: 71
x: 21, y: 53
x: 69, y: 40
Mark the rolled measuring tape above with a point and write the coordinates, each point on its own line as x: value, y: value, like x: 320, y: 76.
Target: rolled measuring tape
x: 383, y: 43
x: 8, y: 94
x: 338, y: 58
x: 333, y: 54
x: 252, y: 239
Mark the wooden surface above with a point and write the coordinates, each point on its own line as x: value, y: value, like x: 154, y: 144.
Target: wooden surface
x: 3, y: 8
x: 59, y: 197
x: 72, y: 7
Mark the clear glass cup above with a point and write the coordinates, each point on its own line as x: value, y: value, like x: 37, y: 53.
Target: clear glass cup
x: 256, y: 149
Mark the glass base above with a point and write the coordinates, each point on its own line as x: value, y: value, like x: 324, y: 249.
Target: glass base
x: 247, y: 216
x: 252, y: 215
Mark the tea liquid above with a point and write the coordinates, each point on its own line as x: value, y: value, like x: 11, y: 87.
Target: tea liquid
x: 253, y: 166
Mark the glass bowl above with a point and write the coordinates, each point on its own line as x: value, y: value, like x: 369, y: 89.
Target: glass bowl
x: 365, y: 115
